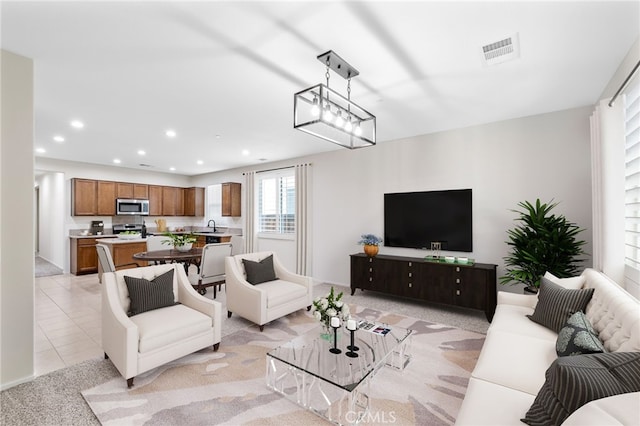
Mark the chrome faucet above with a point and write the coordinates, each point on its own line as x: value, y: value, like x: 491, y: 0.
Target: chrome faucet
x: 214, y: 225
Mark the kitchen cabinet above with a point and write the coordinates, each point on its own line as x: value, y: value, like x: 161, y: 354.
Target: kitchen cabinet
x: 135, y: 191
x: 84, y: 258
x: 125, y: 190
x: 231, y: 193
x: 155, y: 200
x: 107, y: 198
x: 469, y: 286
x: 123, y: 253
x: 179, y: 201
x: 194, y: 201
x: 169, y: 200
x: 140, y: 191
x: 84, y: 197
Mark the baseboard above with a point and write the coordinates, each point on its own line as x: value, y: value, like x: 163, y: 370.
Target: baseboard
x: 5, y: 386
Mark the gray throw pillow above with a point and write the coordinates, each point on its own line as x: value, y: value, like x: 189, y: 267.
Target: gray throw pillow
x: 578, y: 337
x: 556, y: 304
x: 572, y: 381
x: 148, y: 295
x: 260, y: 272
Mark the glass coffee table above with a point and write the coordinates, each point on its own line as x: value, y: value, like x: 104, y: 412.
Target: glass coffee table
x: 336, y: 386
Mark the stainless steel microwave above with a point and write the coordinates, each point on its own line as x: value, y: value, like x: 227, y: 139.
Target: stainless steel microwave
x: 125, y: 206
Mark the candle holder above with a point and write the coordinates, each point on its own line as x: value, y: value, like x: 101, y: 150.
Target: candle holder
x: 352, y: 347
x: 334, y: 349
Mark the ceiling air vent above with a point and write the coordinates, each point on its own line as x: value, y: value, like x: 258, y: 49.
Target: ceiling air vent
x: 145, y: 165
x: 501, y: 51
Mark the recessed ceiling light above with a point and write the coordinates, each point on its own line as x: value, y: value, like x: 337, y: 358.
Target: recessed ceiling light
x: 217, y: 136
x: 41, y: 150
x: 77, y: 124
x: 245, y: 152
x: 173, y: 169
x: 141, y: 152
x: 200, y: 162
x: 58, y: 138
x: 170, y: 133
x: 117, y: 160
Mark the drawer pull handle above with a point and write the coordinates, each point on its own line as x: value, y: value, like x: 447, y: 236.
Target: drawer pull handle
x: 457, y: 280
x: 409, y: 263
x: 409, y: 274
x: 457, y: 269
x: 457, y: 292
x: 410, y: 285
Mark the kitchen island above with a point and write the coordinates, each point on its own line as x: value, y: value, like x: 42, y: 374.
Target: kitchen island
x: 122, y: 252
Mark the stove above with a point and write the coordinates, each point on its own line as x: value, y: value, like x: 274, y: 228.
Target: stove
x: 117, y: 229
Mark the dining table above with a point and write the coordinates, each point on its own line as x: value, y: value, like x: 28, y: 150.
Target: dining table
x: 187, y: 258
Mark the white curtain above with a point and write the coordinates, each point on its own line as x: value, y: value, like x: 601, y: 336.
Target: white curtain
x: 303, y: 219
x: 607, y: 175
x: 250, y: 237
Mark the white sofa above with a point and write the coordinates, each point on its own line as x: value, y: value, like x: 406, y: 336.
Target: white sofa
x: 511, y: 367
x: 139, y: 343
x: 267, y: 301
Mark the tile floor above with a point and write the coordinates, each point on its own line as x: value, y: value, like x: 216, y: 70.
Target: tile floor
x: 67, y: 309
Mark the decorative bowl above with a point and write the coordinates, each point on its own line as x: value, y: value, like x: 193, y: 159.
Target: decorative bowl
x: 449, y: 259
x: 184, y: 247
x: 463, y: 260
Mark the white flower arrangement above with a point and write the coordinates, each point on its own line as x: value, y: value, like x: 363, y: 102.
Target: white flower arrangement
x: 324, y: 308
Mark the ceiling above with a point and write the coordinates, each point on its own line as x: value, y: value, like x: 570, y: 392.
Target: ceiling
x: 223, y: 74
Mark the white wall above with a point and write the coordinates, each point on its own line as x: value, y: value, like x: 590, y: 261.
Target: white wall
x: 545, y: 156
x: 51, y: 218
x: 16, y: 221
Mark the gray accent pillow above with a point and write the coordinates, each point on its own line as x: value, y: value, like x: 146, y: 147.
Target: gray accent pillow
x: 573, y: 381
x: 578, y: 337
x: 556, y: 304
x: 260, y: 272
x: 148, y: 295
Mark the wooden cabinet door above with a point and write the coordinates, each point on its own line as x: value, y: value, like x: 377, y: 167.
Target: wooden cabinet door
x: 125, y: 190
x: 179, y: 201
x: 106, y: 198
x: 169, y: 196
x: 361, y: 269
x: 231, y: 193
x: 123, y: 254
x: 194, y: 202
x: 437, y: 282
x: 471, y: 287
x: 84, y: 197
x: 155, y: 200
x: 140, y: 191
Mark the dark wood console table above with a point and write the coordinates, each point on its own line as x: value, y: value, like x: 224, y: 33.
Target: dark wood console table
x: 466, y: 285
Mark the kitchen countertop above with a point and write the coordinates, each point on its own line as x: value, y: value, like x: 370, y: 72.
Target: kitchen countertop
x: 77, y: 237
x: 122, y: 241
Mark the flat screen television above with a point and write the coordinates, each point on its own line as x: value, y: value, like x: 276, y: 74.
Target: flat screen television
x: 416, y: 219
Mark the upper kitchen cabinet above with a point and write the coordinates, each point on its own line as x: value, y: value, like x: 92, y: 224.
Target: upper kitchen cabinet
x: 133, y: 190
x: 155, y: 200
x: 231, y: 205
x: 169, y: 201
x: 107, y: 198
x: 194, y: 201
x: 84, y: 197
x: 180, y: 202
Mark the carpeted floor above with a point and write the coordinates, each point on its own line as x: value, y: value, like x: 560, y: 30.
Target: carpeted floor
x: 44, y: 268
x: 55, y: 398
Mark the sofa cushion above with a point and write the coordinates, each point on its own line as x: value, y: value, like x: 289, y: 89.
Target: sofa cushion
x: 578, y: 337
x: 556, y: 304
x: 259, y: 272
x: 147, y: 295
x: 513, y: 319
x: 571, y: 283
x: 280, y: 292
x: 169, y: 325
x: 615, y: 410
x: 573, y: 381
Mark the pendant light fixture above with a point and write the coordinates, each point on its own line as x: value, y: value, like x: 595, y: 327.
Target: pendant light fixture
x: 323, y: 112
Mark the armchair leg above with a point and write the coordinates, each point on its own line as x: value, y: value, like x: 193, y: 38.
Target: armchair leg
x: 229, y: 313
x: 130, y: 382
x: 106, y: 356
x: 308, y: 308
x: 262, y: 328
x: 216, y: 347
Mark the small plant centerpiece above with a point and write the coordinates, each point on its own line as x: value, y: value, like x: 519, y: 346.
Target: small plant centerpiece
x: 370, y: 243
x: 324, y: 308
x: 541, y: 242
x: 181, y: 242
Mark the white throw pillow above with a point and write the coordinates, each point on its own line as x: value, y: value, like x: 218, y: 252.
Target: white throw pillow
x: 573, y: 283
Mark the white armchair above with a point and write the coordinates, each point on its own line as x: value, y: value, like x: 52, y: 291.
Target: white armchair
x: 147, y: 340
x: 265, y: 302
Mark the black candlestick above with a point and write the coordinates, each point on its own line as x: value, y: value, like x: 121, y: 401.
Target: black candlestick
x: 334, y: 349
x: 352, y: 348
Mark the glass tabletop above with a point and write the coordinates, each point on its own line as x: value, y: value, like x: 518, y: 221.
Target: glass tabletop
x: 312, y: 354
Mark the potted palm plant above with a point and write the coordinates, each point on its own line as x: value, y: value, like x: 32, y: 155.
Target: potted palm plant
x: 541, y: 242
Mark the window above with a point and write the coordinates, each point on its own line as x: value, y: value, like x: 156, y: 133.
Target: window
x: 276, y: 202
x: 632, y: 175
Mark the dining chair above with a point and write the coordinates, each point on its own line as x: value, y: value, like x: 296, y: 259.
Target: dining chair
x: 106, y: 261
x: 237, y: 241
x: 157, y: 242
x: 211, y: 268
